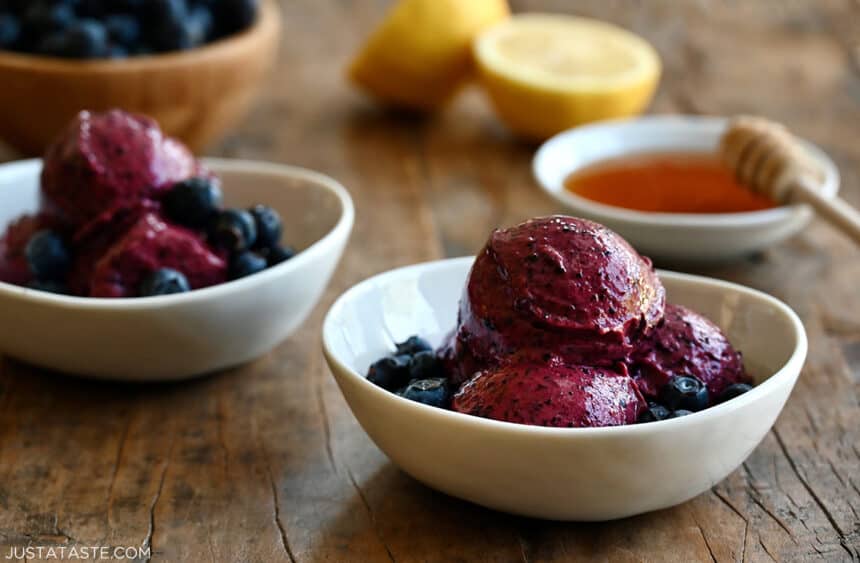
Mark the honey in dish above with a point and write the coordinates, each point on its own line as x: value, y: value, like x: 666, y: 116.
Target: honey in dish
x: 666, y: 183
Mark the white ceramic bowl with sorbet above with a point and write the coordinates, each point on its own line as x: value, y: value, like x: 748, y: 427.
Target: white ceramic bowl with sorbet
x: 183, y: 335
x: 558, y: 473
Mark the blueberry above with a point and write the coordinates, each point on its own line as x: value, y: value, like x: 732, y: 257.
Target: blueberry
x: 433, y: 392
x: 413, y: 345
x: 277, y: 254
x: 48, y: 256
x: 83, y: 39
x: 390, y: 372
x: 170, y: 29
x: 679, y: 413
x: 425, y: 365
x: 732, y: 391
x: 164, y: 10
x: 92, y: 8
x: 235, y: 15
x: 269, y: 226
x: 193, y: 202
x: 10, y: 29
x: 684, y: 392
x: 45, y: 17
x: 654, y: 412
x: 245, y: 264
x: 234, y: 229
x: 164, y: 282
x: 123, y: 29
x: 48, y: 286
x: 117, y: 52
x: 199, y: 25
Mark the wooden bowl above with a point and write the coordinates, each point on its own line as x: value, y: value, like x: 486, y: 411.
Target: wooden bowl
x: 195, y: 95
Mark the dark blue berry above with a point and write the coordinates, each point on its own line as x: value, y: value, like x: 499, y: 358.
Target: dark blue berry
x: 425, y: 365
x: 193, y: 202
x: 235, y: 15
x: 45, y: 17
x: 234, y: 229
x: 390, y: 372
x: 170, y: 30
x: 269, y: 226
x: 654, y: 412
x: 684, y: 392
x: 413, y: 345
x: 164, y: 282
x: 732, y: 391
x: 83, y: 39
x: 200, y: 25
x: 117, y: 52
x: 123, y: 29
x: 433, y: 392
x: 277, y: 254
x: 10, y: 30
x: 245, y: 264
x: 48, y: 286
x: 679, y: 413
x: 48, y: 256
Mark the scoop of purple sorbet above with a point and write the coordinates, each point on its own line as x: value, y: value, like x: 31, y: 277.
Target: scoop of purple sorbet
x: 551, y: 394
x: 687, y: 343
x: 560, y: 284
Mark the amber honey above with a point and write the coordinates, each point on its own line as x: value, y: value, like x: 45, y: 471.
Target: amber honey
x: 666, y: 183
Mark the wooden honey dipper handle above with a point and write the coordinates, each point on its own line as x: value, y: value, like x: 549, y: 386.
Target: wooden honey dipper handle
x: 766, y: 158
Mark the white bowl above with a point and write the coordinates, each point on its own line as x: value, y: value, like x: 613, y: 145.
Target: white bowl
x: 558, y: 473
x: 179, y: 336
x: 668, y: 236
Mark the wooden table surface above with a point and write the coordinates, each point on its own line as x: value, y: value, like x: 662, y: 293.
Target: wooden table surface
x: 266, y: 463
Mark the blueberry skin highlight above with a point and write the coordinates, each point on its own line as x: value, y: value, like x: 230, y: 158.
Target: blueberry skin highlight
x: 234, y: 229
x: 48, y: 256
x: 433, y: 392
x: 164, y: 281
x: 390, y: 372
x: 193, y: 202
x: 684, y: 393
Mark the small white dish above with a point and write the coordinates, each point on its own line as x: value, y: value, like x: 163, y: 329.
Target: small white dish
x: 558, y: 473
x: 668, y: 236
x: 180, y: 336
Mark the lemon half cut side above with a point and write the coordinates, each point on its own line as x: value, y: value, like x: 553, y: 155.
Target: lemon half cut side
x: 547, y: 73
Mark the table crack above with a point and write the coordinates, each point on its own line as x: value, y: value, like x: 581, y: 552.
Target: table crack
x: 370, y: 513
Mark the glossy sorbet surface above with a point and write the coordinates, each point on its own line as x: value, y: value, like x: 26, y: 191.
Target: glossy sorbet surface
x: 665, y: 183
x: 563, y: 324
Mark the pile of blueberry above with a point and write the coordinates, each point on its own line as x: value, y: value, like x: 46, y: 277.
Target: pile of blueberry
x: 87, y: 29
x: 413, y: 372
x: 250, y: 236
x: 684, y: 395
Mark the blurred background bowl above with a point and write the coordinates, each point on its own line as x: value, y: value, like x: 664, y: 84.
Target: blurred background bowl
x: 195, y: 95
x: 174, y: 337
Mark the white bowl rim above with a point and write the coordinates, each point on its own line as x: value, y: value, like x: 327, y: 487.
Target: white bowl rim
x: 340, y: 230
x: 794, y: 363
x: 703, y: 124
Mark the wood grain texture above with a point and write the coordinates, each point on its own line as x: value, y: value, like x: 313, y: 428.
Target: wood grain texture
x: 265, y: 463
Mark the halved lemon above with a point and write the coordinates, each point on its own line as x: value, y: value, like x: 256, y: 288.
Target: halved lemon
x: 546, y: 73
x: 421, y: 53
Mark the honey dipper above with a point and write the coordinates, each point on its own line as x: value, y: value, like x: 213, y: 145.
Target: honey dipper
x: 769, y: 160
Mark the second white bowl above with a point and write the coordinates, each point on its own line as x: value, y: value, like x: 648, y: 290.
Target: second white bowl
x: 669, y: 236
x: 179, y: 336
x: 558, y: 473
